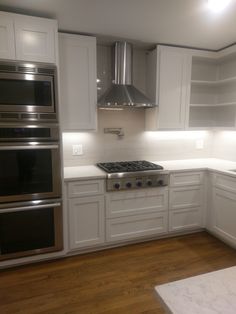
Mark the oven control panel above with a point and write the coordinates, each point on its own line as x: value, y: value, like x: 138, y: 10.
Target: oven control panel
x: 130, y: 183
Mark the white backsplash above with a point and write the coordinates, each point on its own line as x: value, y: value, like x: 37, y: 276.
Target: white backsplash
x: 224, y: 145
x: 136, y: 143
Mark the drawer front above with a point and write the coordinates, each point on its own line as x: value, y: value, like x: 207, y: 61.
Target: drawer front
x: 126, y: 228
x: 186, y: 197
x: 85, y: 188
x: 185, y: 219
x: 224, y: 182
x: 119, y: 204
x: 186, y: 178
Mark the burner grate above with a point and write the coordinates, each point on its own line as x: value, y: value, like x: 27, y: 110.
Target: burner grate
x: 128, y: 166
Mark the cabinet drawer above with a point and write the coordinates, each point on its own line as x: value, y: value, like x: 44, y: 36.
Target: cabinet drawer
x: 224, y: 182
x: 120, y: 204
x: 186, y: 178
x: 185, y: 219
x: 85, y: 188
x: 186, y: 197
x: 132, y: 227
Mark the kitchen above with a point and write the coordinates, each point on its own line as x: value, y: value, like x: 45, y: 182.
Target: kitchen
x: 103, y: 240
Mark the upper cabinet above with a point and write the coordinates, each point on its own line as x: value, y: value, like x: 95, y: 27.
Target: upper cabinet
x: 168, y: 85
x: 28, y: 38
x: 78, y: 77
x: 7, y: 37
x: 213, y: 90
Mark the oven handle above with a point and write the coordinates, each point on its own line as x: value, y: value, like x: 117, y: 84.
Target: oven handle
x: 15, y: 147
x: 15, y: 209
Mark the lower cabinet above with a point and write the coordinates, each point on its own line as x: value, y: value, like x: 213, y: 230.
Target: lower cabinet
x: 223, y: 214
x: 137, y: 213
x: 131, y: 227
x: 186, y: 201
x: 86, y: 221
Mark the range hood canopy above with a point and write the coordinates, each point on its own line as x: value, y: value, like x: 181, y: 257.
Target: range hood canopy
x: 122, y: 93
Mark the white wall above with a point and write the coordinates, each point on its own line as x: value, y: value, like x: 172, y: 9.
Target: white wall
x: 224, y: 145
x: 136, y: 144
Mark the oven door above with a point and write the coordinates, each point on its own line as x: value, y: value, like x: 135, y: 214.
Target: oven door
x: 26, y: 93
x: 30, y: 228
x: 29, y: 171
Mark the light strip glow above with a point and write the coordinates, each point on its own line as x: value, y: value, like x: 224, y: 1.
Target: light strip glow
x: 217, y: 5
x: 175, y: 135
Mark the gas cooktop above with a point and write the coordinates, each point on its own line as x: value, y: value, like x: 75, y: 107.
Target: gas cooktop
x: 128, y: 166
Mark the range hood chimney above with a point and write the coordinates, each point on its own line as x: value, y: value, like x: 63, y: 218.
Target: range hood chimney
x: 122, y: 94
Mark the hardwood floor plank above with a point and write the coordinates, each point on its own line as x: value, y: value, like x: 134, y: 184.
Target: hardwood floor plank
x: 113, y: 281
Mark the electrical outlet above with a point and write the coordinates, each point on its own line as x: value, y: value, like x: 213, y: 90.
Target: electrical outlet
x: 199, y: 144
x: 77, y: 149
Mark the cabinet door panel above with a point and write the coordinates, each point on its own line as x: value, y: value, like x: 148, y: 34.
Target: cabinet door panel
x: 224, y: 214
x: 186, y: 178
x: 78, y: 82
x: 174, y: 82
x: 185, y: 197
x: 35, y: 39
x: 86, y: 221
x: 7, y: 38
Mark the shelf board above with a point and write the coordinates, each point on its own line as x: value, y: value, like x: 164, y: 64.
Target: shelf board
x: 214, y: 83
x: 214, y: 105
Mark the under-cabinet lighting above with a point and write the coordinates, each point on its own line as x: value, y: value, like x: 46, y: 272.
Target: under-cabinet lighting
x: 114, y: 109
x: 174, y: 135
x: 218, y: 5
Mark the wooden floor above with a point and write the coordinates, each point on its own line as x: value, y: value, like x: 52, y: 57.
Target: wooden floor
x: 119, y: 280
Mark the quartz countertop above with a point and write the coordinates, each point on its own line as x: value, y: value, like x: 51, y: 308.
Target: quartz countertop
x: 93, y: 172
x: 211, y: 293
x: 83, y: 173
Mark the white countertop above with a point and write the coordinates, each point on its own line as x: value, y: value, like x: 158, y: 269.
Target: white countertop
x: 83, y: 173
x: 211, y: 293
x: 93, y: 172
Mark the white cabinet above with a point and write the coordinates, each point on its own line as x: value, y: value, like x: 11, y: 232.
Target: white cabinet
x: 224, y: 215
x: 86, y: 221
x: 170, y: 68
x: 35, y: 39
x: 137, y: 213
x: 86, y: 213
x: 186, y: 201
x: 213, y: 90
x: 77, y: 56
x: 28, y: 38
x: 7, y: 38
x: 222, y: 207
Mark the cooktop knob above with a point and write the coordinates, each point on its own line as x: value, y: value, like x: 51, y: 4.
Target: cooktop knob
x: 149, y: 182
x: 139, y: 183
x: 160, y: 182
x: 128, y: 185
x: 117, y: 186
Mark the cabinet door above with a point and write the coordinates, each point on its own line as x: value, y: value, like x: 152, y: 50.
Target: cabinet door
x: 7, y: 38
x: 78, y: 82
x: 174, y: 84
x: 224, y: 215
x: 35, y: 39
x: 185, y: 219
x: 86, y: 221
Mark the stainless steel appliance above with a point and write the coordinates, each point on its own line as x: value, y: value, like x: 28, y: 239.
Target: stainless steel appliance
x: 122, y: 93
x: 129, y: 175
x: 30, y: 190
x: 29, y: 163
x: 30, y: 228
x: 28, y: 91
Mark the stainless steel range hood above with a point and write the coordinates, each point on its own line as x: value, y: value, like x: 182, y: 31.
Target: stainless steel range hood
x: 122, y: 94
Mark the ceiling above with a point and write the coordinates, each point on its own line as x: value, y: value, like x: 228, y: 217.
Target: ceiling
x: 177, y: 22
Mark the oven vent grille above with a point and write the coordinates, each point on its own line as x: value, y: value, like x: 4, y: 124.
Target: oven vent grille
x: 45, y: 71
x: 7, y: 68
x: 27, y: 69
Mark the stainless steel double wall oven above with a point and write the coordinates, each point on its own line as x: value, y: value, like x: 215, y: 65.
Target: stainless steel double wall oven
x: 30, y: 167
